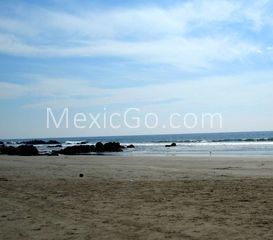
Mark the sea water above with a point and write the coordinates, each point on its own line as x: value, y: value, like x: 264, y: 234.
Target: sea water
x: 236, y: 143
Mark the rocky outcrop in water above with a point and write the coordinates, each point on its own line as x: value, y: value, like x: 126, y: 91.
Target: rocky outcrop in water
x: 78, y: 149
x: 40, y: 142
x: 112, y: 147
x: 23, y: 150
x: 171, y: 145
x: 84, y: 149
x: 131, y: 146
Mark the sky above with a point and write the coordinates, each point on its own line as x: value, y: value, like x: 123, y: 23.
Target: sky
x: 164, y: 57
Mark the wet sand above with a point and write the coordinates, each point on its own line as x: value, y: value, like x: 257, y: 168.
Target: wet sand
x: 136, y: 197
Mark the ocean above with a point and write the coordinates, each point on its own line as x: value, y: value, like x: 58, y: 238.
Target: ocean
x: 235, y: 143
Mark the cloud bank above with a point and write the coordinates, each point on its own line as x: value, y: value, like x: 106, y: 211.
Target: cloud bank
x: 195, y: 34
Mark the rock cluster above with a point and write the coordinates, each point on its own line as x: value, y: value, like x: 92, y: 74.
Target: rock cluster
x: 99, y: 147
x: 131, y: 146
x: 40, y: 142
x: 22, y: 150
x: 171, y: 145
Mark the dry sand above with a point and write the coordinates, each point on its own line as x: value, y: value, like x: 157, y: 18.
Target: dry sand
x: 136, y: 197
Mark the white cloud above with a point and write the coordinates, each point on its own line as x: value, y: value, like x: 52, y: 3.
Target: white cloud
x: 150, y: 34
x: 185, y: 53
x: 12, y: 45
x: 141, y: 22
x: 13, y: 90
x: 244, y: 90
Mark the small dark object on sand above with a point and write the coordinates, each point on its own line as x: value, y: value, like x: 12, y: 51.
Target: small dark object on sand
x: 172, y: 145
x: 3, y: 179
x: 81, y: 175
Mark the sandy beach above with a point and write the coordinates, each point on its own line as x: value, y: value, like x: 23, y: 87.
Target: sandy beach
x: 136, y: 197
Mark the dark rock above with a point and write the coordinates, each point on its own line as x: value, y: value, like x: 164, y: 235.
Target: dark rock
x: 81, y: 175
x: 171, y: 145
x: 27, y: 150
x: 34, y: 142
x: 99, y: 147
x: 92, y: 148
x: 83, y: 142
x: 8, y: 150
x: 1, y: 143
x: 23, y: 150
x: 112, y: 147
x: 131, y: 146
x: 78, y: 149
x: 40, y: 142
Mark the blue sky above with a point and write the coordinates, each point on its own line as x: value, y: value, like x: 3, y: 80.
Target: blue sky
x: 159, y: 56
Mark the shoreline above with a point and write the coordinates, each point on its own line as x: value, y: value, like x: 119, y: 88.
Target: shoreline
x: 220, y: 144
x: 136, y: 167
x: 135, y: 197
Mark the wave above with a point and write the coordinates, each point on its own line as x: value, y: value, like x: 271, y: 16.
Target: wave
x: 217, y: 140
